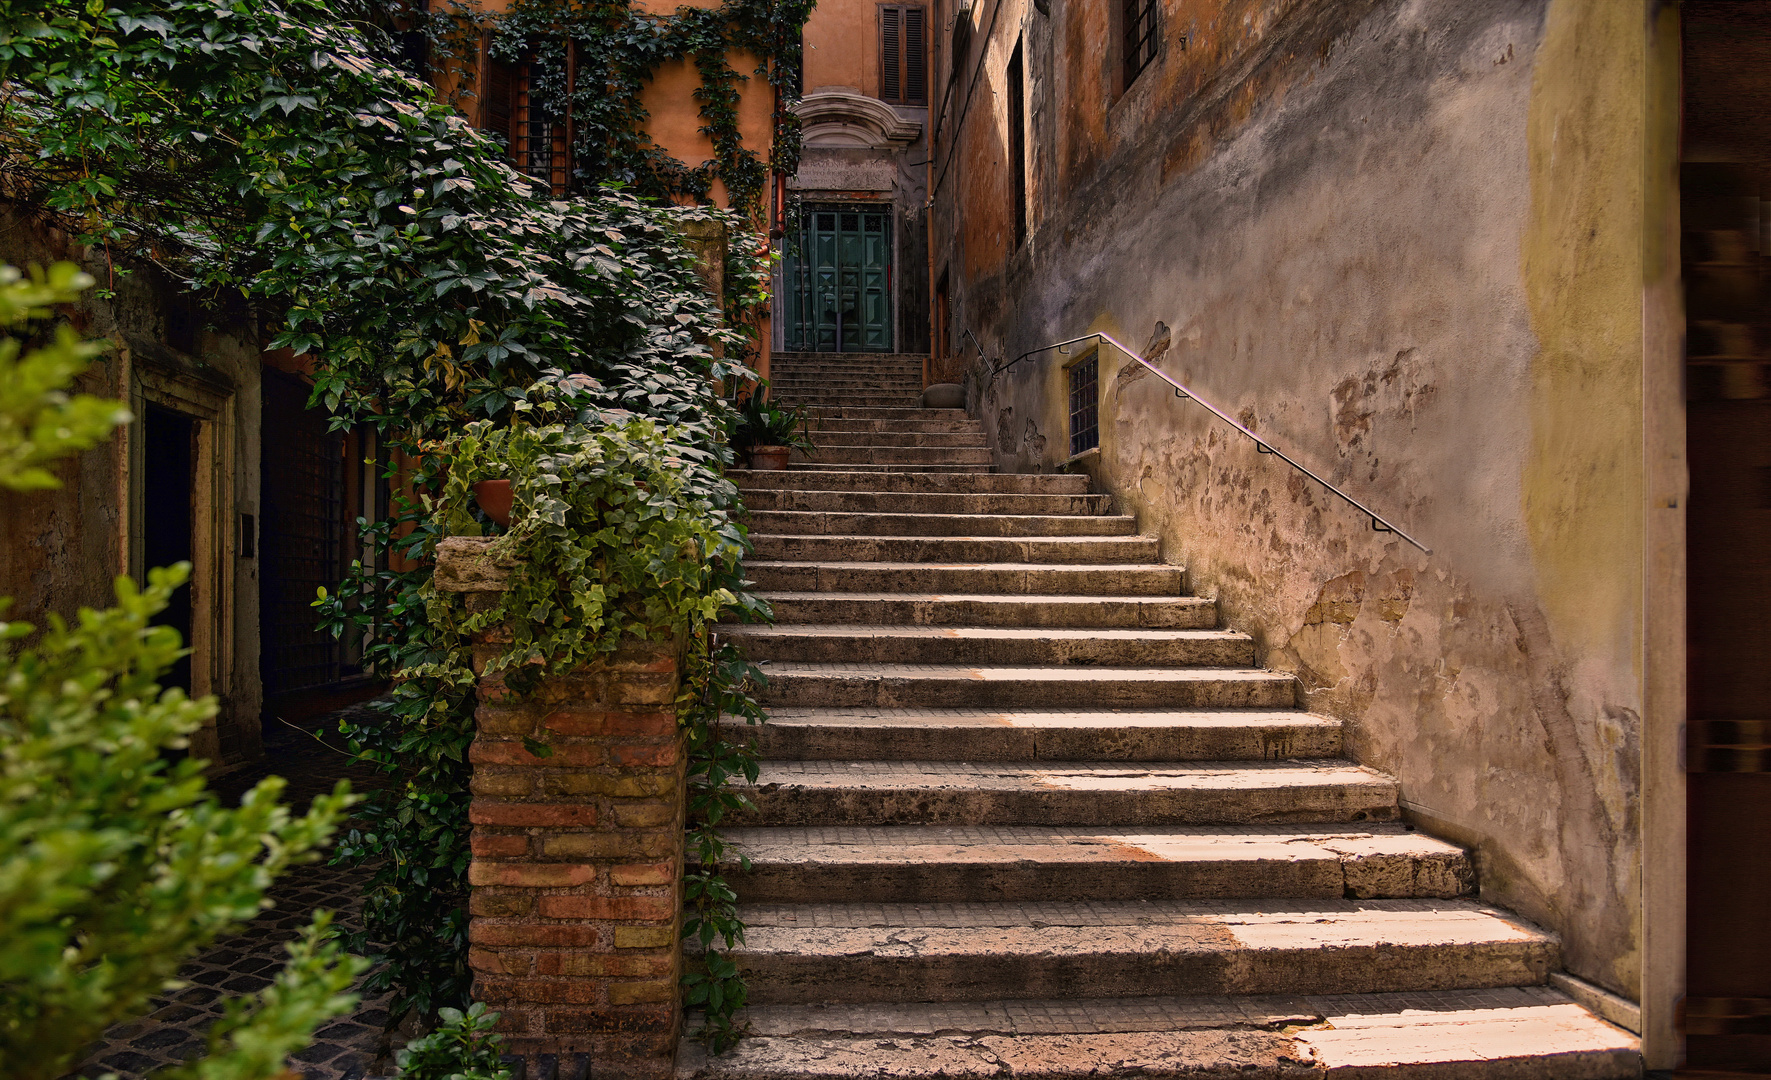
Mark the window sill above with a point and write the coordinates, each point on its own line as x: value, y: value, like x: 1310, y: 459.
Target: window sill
x: 1087, y: 457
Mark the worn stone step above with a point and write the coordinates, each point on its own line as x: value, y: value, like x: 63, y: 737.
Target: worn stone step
x: 975, y: 578
x: 1094, y: 794
x: 825, y: 425
x: 827, y: 523
x: 785, y: 386
x: 925, y: 502
x: 1502, y: 1033
x: 860, y: 480
x: 870, y: 412
x: 849, y: 685
x: 867, y: 952
x: 940, y: 734
x: 932, y: 609
x: 870, y: 399
x: 991, y: 645
x: 898, y: 439
x: 952, y: 549
x: 889, y: 455
x: 928, y: 864
x: 920, y: 467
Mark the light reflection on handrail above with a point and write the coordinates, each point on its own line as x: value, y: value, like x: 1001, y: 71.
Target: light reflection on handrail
x: 1378, y: 522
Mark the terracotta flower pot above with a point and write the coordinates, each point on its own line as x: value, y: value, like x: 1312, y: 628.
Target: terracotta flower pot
x: 769, y: 457
x: 494, y: 497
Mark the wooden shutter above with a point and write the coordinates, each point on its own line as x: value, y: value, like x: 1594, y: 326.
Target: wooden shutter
x: 891, y: 54
x: 903, y: 60
x: 497, y: 98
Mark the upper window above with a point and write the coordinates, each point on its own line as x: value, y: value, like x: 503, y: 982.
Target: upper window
x: 1140, y: 36
x: 903, y: 55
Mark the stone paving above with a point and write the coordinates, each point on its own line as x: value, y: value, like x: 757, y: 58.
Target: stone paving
x: 174, y: 1028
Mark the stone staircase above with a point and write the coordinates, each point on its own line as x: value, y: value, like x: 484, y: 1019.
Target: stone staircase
x: 1027, y: 810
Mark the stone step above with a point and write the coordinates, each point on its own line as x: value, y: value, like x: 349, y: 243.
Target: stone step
x: 924, y: 502
x: 952, y: 549
x: 897, y: 439
x: 935, y: 609
x: 973, y: 579
x: 918, y: 467
x: 937, y: 734
x: 867, y: 952
x: 858, y: 684
x: 823, y: 425
x: 828, y: 523
x: 990, y: 645
x: 784, y: 386
x: 858, y: 399
x: 833, y: 454
x: 749, y: 480
x: 1091, y: 794
x: 870, y: 412
x: 932, y: 864
x: 1503, y: 1033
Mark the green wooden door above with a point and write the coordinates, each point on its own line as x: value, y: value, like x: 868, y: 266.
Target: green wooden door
x: 839, y: 281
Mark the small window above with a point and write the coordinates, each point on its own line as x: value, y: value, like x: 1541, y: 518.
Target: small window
x: 1085, y: 413
x: 1017, y: 141
x: 1140, y: 37
x: 903, y: 56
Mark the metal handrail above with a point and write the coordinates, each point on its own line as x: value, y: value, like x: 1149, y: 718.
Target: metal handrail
x: 1378, y: 522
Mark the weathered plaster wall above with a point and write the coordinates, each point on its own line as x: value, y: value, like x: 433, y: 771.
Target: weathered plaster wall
x: 1403, y: 240
x: 62, y: 549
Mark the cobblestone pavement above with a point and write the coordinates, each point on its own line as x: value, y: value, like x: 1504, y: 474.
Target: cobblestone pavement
x: 174, y: 1028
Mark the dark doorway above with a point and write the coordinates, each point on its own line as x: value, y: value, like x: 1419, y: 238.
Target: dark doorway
x: 301, y: 538
x: 169, y: 452
x: 1725, y: 185
x: 839, y: 274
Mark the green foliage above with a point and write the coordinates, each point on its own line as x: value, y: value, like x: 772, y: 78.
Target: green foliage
x: 762, y: 422
x: 115, y: 863
x: 267, y: 149
x: 618, y: 49
x: 463, y: 1047
x: 39, y: 420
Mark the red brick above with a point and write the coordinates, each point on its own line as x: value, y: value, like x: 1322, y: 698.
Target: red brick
x: 497, y: 990
x: 503, y: 845
x: 643, y: 874
x: 644, y: 814
x: 500, y: 905
x: 653, y: 908
x: 593, y: 965
x: 532, y: 875
x: 665, y: 754
x: 500, y: 961
x: 563, y: 815
x: 628, y: 1018
x: 557, y: 935
x: 513, y: 752
x: 505, y: 783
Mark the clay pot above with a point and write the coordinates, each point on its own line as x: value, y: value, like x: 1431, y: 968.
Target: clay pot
x: 494, y: 497
x: 944, y: 395
x: 769, y: 457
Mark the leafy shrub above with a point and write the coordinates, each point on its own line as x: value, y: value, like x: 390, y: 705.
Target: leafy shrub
x: 463, y: 1047
x: 115, y: 864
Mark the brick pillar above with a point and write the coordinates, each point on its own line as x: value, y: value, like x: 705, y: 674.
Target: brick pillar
x: 576, y: 877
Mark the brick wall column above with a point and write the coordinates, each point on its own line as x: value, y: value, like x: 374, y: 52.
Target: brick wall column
x: 576, y: 877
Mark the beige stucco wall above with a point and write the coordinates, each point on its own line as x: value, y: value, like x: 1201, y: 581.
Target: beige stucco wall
x: 1404, y: 241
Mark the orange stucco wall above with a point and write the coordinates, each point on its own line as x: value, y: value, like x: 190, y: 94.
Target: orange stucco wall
x: 842, y: 46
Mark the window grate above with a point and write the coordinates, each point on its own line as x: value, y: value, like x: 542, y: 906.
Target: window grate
x: 1085, y: 413
x: 1140, y: 37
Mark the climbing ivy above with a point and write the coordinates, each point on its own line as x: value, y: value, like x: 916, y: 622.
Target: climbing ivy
x: 270, y: 151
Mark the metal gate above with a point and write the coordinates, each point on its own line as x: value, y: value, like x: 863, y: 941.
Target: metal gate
x: 301, y: 537
x: 839, y: 276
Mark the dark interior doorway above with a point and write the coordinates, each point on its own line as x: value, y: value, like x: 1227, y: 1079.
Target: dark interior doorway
x: 1725, y: 196
x: 169, y: 451
x: 301, y: 538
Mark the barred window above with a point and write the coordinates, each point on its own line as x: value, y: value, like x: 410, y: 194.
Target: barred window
x: 1140, y: 37
x: 1085, y: 413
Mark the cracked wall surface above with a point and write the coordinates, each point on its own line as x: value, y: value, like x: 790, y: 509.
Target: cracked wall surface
x: 1402, y: 240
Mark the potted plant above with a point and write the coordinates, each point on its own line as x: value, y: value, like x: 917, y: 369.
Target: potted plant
x: 768, y: 433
